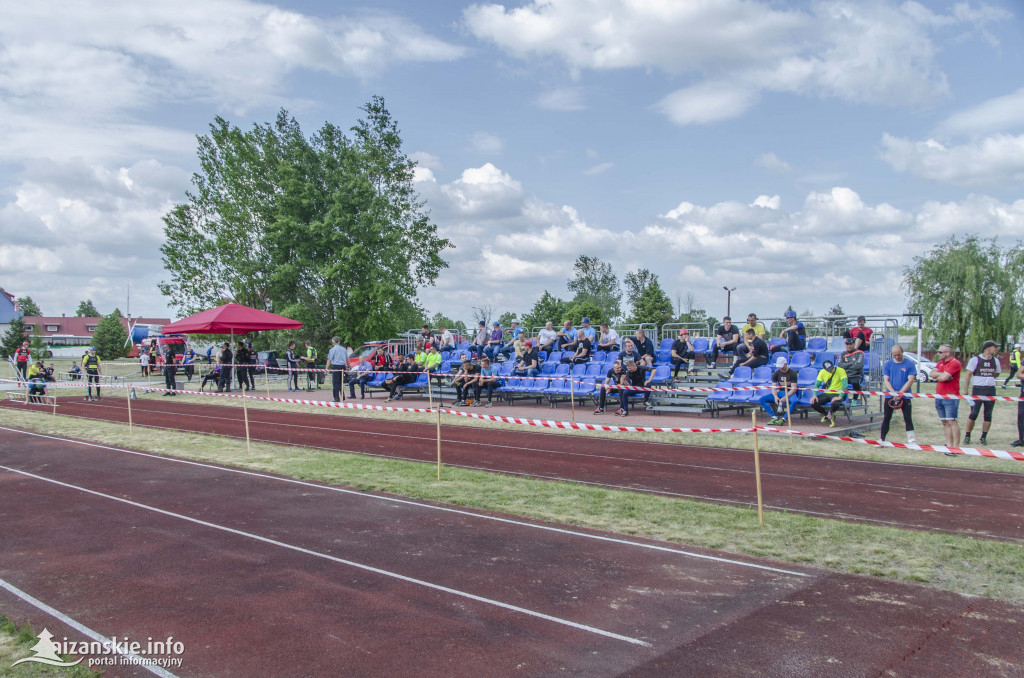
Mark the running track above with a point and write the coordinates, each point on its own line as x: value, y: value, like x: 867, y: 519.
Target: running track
x: 263, y: 576
x: 979, y: 503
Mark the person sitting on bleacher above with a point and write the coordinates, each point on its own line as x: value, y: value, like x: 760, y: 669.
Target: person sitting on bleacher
x: 488, y: 379
x: 36, y: 382
x: 609, y: 340
x: 756, y: 355
x: 851, y: 361
x: 783, y: 389
x: 360, y: 375
x: 515, y: 333
x: 529, y: 364
x: 463, y: 381
x: 547, y: 337
x: 380, y: 359
x: 583, y: 349
x: 75, y: 372
x: 480, y: 340
x: 830, y: 378
x: 645, y: 347
x: 633, y: 374
x: 682, y: 353
x: 794, y: 334
x: 727, y: 337
x: 432, y: 361
x: 753, y: 324
x: 445, y: 340
x: 588, y: 331
x: 861, y: 335
x: 426, y: 336
x: 613, y: 378
x: 404, y: 374
x: 494, y: 342
x: 566, y: 337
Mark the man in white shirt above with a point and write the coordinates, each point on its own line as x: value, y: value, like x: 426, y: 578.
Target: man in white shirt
x: 609, y: 340
x: 445, y: 340
x: 546, y: 337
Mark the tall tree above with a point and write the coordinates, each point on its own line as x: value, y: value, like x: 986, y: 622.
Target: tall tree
x: 969, y: 290
x: 594, y: 281
x: 506, y: 318
x: 577, y: 310
x: 441, y: 320
x: 327, y: 229
x: 652, y: 305
x: 548, y: 307
x: 483, y: 313
x: 29, y: 307
x: 86, y: 309
x: 110, y: 336
x: 637, y: 282
x: 689, y: 310
x: 11, y: 341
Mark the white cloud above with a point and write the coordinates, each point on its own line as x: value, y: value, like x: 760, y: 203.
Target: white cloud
x: 486, y: 142
x: 598, y: 169
x: 864, y: 52
x: 426, y: 160
x: 1000, y: 114
x: 706, y: 102
x: 993, y: 161
x: 484, y: 191
x: 564, y: 99
x: 772, y: 163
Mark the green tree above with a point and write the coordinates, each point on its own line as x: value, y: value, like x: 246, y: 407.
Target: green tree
x: 652, y: 305
x: 506, y: 319
x: 11, y: 341
x: 86, y: 309
x: 636, y: 283
x: 689, y: 310
x: 110, y: 337
x: 36, y: 341
x: 548, y: 307
x: 577, y: 310
x: 594, y: 281
x: 327, y: 230
x: 29, y: 307
x: 969, y: 290
x: 441, y: 320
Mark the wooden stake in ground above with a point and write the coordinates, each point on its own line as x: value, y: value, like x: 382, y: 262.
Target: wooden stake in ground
x: 245, y: 413
x: 757, y: 468
x: 266, y: 376
x: 572, y: 397
x: 128, y: 393
x: 430, y: 394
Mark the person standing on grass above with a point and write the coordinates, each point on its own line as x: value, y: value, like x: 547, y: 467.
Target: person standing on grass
x: 91, y: 365
x: 898, y: 375
x: 946, y: 375
x: 241, y: 371
x: 337, y: 363
x: 982, y: 373
x: 1015, y: 364
x: 225, y: 361
x: 22, y: 359
x: 144, y: 363
x: 188, y: 360
x: 1019, y: 442
x: 170, y: 372
x: 292, y: 363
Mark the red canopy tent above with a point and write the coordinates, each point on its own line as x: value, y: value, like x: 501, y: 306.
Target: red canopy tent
x: 231, y: 318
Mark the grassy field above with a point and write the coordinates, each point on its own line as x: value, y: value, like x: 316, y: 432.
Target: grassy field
x: 15, y: 642
x: 958, y: 563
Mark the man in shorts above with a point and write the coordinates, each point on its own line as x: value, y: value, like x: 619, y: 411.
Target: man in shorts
x: 946, y: 375
x: 982, y: 371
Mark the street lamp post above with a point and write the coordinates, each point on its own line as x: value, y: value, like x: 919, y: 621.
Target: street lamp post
x: 728, y: 299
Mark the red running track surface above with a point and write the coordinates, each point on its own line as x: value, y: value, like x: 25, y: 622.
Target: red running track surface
x: 248, y: 603
x: 979, y: 503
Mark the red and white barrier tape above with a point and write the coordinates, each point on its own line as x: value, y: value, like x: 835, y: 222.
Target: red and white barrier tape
x: 549, y: 423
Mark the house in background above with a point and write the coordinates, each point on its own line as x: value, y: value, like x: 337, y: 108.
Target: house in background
x: 8, y: 310
x: 75, y: 331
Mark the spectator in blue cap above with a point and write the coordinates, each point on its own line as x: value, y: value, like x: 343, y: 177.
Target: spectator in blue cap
x: 794, y: 334
x: 588, y: 331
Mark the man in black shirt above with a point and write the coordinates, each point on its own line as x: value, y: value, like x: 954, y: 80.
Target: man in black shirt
x: 242, y: 355
x: 613, y: 377
x: 727, y: 339
x: 582, y: 354
x: 225, y: 360
x: 682, y: 353
x: 463, y: 382
x: 529, y: 366
x: 644, y: 346
x: 170, y: 371
x: 404, y: 374
x: 757, y: 355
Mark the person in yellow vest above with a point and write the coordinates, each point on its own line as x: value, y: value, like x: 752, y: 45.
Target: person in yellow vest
x: 309, y: 362
x: 36, y: 382
x: 91, y: 365
x: 831, y: 381
x: 1015, y: 356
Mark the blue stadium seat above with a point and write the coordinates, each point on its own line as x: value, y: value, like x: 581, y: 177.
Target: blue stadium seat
x: 776, y: 341
x: 555, y: 356
x: 601, y: 356
x: 721, y: 396
x: 820, y: 358
x: 761, y: 375
x: 596, y: 369
x: 579, y: 371
x: 700, y: 345
x: 663, y: 356
x: 815, y: 344
x: 666, y: 344
x: 837, y: 345
x: 741, y: 376
x: 511, y: 384
x: 548, y: 368
x: 799, y: 360
x: 561, y: 370
x: 663, y: 375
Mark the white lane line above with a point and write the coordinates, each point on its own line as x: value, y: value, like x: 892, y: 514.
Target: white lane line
x: 85, y: 630
x: 343, y: 561
x: 409, y: 502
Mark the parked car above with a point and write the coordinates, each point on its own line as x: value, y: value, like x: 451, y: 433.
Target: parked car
x: 267, y: 360
x: 923, y: 366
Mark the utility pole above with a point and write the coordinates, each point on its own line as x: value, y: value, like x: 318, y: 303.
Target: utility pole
x: 728, y: 299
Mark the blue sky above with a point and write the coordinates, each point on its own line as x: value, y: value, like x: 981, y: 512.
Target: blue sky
x: 801, y: 152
